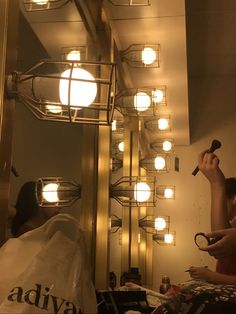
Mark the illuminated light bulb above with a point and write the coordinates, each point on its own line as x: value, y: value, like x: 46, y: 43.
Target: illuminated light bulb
x: 40, y: 2
x: 73, y: 55
x: 159, y: 163
x: 142, y: 101
x: 121, y: 146
x: 157, y: 95
x: 163, y: 124
x: 148, y: 55
x: 50, y: 193
x: 168, y: 193
x: 81, y: 93
x: 160, y: 223
x: 166, y: 145
x: 139, y: 238
x: 113, y: 125
x: 168, y: 238
x: 54, y: 109
x: 142, y: 192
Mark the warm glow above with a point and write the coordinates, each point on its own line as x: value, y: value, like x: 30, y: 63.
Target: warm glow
x: 113, y: 125
x: 142, y: 192
x: 81, y: 93
x: 121, y: 146
x: 168, y: 193
x: 160, y: 223
x: 168, y: 238
x: 157, y: 95
x: 159, y: 163
x: 54, y: 109
x: 73, y: 55
x: 142, y: 101
x: 166, y: 145
x: 40, y: 2
x: 50, y: 193
x: 163, y: 124
x: 148, y: 55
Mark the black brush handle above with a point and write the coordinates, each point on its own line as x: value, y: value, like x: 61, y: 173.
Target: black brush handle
x: 214, y: 145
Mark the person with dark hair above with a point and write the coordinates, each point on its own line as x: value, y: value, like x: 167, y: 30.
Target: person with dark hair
x: 28, y: 213
x: 223, y: 216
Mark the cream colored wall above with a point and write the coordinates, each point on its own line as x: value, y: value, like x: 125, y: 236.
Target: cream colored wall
x: 212, y: 116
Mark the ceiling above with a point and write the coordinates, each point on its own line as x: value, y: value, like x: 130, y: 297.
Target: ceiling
x: 207, y: 49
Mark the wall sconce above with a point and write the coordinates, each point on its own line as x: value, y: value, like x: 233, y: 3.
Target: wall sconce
x: 57, y: 192
x: 166, y: 192
x: 160, y: 124
x: 115, y: 223
x: 66, y: 91
x: 40, y: 5
x: 76, y: 53
x: 134, y: 191
x: 140, y: 101
x: 151, y: 224
x: 158, y: 163
x: 116, y: 163
x: 130, y: 2
x: 166, y: 145
x: 165, y: 239
x: 142, y: 55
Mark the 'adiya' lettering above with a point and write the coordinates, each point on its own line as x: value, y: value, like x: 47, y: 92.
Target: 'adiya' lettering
x: 41, y: 298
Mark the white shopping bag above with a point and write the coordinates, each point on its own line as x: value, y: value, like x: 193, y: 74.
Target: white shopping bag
x: 47, y: 271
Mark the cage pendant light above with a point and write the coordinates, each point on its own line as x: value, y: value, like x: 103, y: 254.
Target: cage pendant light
x: 41, y: 5
x: 67, y: 91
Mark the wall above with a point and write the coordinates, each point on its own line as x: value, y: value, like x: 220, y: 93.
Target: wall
x: 212, y: 116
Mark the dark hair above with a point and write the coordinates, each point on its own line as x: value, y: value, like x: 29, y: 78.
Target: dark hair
x: 26, y: 206
x: 230, y: 184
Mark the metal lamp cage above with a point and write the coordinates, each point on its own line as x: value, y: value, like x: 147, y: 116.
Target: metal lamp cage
x: 128, y: 192
x: 135, y: 56
x: 39, y: 88
x: 144, y: 98
x: 57, y: 192
x: 115, y: 223
x: 41, y: 5
x: 158, y: 145
x: 152, y: 124
x: 116, y: 163
x: 147, y: 223
x: 130, y: 2
x: 159, y: 238
x: 148, y: 163
x: 162, y: 194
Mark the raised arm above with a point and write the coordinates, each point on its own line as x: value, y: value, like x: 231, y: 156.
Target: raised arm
x: 208, y: 164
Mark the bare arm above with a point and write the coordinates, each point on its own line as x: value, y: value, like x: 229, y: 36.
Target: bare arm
x: 202, y: 273
x: 208, y: 163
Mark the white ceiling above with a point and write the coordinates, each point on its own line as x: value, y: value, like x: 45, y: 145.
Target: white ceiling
x: 163, y: 22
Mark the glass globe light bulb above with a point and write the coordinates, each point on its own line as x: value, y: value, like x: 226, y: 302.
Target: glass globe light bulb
x: 40, y: 2
x: 159, y: 163
x: 168, y: 238
x: 142, y: 192
x: 50, y: 193
x: 163, y: 124
x: 166, y: 145
x: 160, y: 223
x: 113, y: 125
x: 121, y: 146
x: 142, y: 101
x: 81, y: 93
x: 157, y: 95
x: 148, y: 55
x: 168, y: 193
x: 73, y: 55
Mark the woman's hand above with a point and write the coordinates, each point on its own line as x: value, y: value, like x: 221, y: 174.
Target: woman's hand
x: 201, y: 273
x: 224, y: 247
